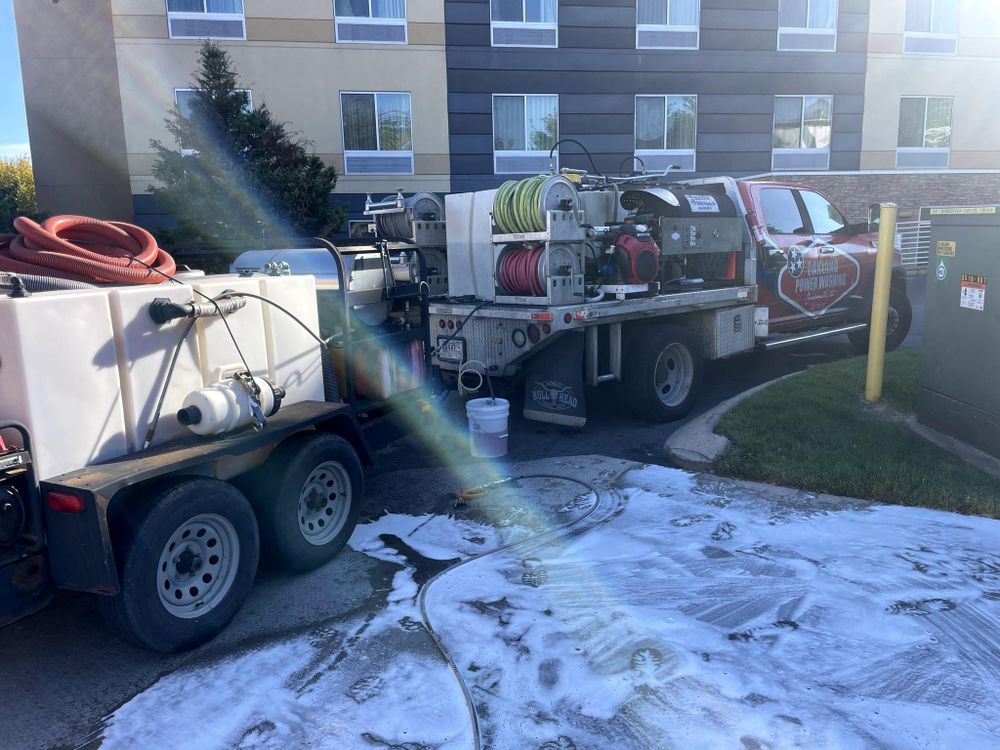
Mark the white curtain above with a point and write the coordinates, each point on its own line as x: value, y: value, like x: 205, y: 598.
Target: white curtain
x: 788, y: 122
x: 945, y: 17
x: 682, y: 12
x: 822, y: 14
x: 817, y: 122
x: 542, y: 122
x: 388, y: 8
x: 394, y: 122
x: 508, y: 123
x: 358, y: 115
x: 224, y: 6
x: 682, y: 122
x: 938, y: 133
x: 649, y: 122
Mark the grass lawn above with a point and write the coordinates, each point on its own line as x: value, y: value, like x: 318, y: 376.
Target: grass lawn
x: 816, y: 432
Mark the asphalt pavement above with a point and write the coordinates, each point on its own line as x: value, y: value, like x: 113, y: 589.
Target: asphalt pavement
x: 63, y: 673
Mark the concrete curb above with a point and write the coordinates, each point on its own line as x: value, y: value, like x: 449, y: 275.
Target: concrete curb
x: 695, y: 446
x: 963, y: 451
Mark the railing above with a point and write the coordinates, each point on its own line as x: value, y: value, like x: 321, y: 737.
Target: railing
x: 916, y: 243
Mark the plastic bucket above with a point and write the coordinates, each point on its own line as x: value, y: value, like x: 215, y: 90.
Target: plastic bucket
x: 488, y: 418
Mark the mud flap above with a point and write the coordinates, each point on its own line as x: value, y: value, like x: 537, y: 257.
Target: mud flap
x: 553, y: 383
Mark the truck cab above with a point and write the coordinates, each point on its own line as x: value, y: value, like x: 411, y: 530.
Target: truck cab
x: 815, y: 269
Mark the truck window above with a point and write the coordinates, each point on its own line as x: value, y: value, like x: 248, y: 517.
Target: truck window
x: 825, y: 217
x: 781, y: 211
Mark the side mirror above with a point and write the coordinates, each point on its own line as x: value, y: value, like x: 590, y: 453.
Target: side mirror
x: 873, y: 213
x: 775, y: 259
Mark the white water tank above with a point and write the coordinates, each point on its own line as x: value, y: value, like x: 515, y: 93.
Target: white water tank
x: 293, y: 356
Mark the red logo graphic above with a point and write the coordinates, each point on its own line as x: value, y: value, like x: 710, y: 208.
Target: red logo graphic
x: 817, y: 276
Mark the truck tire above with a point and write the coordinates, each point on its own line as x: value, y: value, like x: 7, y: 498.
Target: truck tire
x: 188, y: 559
x: 662, y: 373
x: 897, y: 325
x: 308, y: 499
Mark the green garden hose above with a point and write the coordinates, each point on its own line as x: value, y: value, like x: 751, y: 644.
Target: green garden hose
x: 517, y: 205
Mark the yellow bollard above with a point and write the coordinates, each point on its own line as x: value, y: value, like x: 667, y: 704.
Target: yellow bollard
x: 880, y: 302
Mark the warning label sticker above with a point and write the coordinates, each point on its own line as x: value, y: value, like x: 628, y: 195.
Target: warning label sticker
x: 703, y: 204
x: 973, y: 292
x: 947, y: 248
x: 974, y: 211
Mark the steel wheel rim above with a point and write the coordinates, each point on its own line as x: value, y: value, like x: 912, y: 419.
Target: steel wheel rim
x: 673, y: 374
x: 324, y: 502
x: 892, y: 322
x: 198, y: 566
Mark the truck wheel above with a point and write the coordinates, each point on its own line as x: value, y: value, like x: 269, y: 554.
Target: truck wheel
x: 308, y: 500
x: 188, y: 561
x: 897, y: 325
x: 662, y: 373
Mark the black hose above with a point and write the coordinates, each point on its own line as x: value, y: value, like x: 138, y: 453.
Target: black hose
x: 593, y: 165
x: 33, y: 283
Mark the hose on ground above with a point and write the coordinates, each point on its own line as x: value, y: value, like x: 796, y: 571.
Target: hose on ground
x: 79, y: 248
x: 33, y: 283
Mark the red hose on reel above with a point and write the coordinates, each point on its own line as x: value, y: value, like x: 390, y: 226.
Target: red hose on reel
x: 518, y: 272
x: 83, y: 249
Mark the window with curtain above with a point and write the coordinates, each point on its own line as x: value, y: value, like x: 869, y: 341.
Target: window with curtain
x: 803, y: 129
x: 525, y: 128
x: 668, y: 24
x: 206, y: 19
x: 931, y: 27
x: 370, y: 21
x: 925, y: 122
x: 377, y: 132
x: 666, y: 126
x: 524, y: 23
x: 523, y: 11
x: 389, y: 9
x: 809, y: 25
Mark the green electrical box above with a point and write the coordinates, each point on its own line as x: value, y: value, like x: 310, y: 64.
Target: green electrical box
x: 960, y: 364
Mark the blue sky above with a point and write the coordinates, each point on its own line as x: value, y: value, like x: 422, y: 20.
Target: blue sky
x: 13, y: 128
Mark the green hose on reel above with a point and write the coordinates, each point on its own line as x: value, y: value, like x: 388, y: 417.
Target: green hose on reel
x: 520, y: 206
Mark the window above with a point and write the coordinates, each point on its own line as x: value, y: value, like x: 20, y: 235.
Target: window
x: 666, y: 132
x: 371, y: 21
x: 377, y: 137
x: 823, y: 215
x: 781, y: 211
x: 667, y: 24
x: 924, y: 132
x: 524, y: 23
x: 525, y: 128
x: 183, y: 98
x: 809, y: 25
x: 802, y: 132
x: 206, y: 19
x: 931, y: 27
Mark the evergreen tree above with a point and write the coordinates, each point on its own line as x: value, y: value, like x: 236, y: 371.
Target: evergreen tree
x: 235, y: 172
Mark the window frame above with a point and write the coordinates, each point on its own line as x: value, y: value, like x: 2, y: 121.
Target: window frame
x: 370, y: 20
x: 928, y: 150
x: 205, y: 16
x: 806, y: 30
x: 668, y: 152
x: 540, y: 25
x: 640, y: 27
x: 931, y: 34
x: 802, y: 126
x: 517, y: 152
x: 189, y: 90
x: 378, y: 137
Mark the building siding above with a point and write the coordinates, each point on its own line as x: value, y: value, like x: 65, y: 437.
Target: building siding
x: 596, y: 71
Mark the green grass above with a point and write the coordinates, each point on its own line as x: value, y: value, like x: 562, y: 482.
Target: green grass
x: 815, y: 432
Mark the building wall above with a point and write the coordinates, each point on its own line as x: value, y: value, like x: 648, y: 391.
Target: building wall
x: 71, y: 92
x: 290, y: 61
x: 972, y: 77
x: 597, y: 72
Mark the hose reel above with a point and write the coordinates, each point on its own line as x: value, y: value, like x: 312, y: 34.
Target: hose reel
x: 398, y: 225
x: 521, y: 206
x: 524, y: 271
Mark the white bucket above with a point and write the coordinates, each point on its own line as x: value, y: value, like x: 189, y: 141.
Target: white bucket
x: 488, y: 419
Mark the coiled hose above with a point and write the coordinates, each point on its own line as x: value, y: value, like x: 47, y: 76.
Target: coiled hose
x: 517, y: 205
x: 79, y: 248
x: 32, y: 283
x: 519, y: 273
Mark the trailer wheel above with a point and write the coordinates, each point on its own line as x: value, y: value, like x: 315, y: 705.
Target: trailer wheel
x: 189, y: 557
x: 897, y: 324
x: 308, y: 500
x: 662, y: 373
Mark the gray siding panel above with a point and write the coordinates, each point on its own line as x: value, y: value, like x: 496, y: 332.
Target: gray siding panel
x: 596, y: 71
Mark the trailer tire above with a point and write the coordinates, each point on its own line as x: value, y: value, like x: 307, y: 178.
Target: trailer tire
x: 188, y: 557
x: 308, y: 499
x: 662, y: 373
x: 897, y: 326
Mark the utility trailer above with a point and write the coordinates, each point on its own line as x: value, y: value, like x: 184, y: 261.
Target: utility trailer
x: 637, y: 281
x: 167, y: 527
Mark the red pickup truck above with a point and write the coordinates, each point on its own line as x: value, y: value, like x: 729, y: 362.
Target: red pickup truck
x: 816, y: 271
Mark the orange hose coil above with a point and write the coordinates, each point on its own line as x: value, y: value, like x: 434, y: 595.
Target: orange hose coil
x: 85, y: 249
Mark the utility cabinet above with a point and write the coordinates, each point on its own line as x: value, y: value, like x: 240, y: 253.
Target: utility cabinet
x: 959, y: 391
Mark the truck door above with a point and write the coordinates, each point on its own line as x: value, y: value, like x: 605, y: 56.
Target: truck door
x: 807, y: 278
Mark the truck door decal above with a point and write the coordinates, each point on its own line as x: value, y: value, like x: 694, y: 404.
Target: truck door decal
x: 817, y: 276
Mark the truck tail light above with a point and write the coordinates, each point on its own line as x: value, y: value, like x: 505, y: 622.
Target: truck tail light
x: 65, y: 502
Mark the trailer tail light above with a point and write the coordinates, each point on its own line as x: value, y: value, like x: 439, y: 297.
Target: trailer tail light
x: 534, y: 334
x: 451, y: 324
x: 441, y: 323
x: 546, y: 329
x: 567, y: 318
x: 65, y: 502
x: 542, y: 316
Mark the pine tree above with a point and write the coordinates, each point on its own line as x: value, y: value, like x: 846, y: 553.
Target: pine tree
x: 235, y: 172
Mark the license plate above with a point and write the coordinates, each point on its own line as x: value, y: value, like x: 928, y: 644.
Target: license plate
x: 451, y: 351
